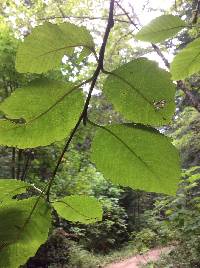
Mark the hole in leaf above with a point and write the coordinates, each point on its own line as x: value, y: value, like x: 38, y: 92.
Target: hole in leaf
x: 159, y: 104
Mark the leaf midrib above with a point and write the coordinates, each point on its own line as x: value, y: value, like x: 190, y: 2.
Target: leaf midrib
x: 78, y: 212
x: 130, y: 150
x: 162, y: 30
x: 46, y: 111
x: 157, y: 112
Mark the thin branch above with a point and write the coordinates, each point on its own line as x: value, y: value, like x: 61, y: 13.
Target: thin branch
x: 196, y: 13
x: 61, y: 11
x: 84, y: 18
x: 13, y: 162
x: 118, y: 41
x: 83, y: 116
x: 127, y: 14
x: 161, y: 55
x: 19, y: 159
x: 180, y: 84
x: 194, y: 100
x: 27, y: 163
x: 36, y: 189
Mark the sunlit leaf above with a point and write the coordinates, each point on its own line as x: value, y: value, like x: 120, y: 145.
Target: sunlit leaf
x: 44, y: 48
x: 160, y: 29
x: 138, y: 157
x: 9, y: 188
x: 50, y: 110
x: 79, y: 208
x: 187, y: 61
x: 141, y: 92
x: 21, y: 236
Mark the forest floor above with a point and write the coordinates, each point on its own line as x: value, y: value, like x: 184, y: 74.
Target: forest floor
x: 141, y: 259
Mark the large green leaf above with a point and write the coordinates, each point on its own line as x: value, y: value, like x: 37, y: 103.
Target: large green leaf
x: 21, y: 236
x: 79, y: 208
x: 160, y: 29
x: 50, y: 109
x: 138, y: 157
x: 44, y: 48
x: 141, y: 92
x: 186, y: 62
x: 9, y: 188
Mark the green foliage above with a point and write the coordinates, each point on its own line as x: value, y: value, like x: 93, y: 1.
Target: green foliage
x: 179, y: 216
x: 20, y: 234
x: 111, y: 232
x: 10, y: 188
x: 186, y: 62
x: 144, y: 240
x: 160, y: 29
x: 44, y: 48
x: 55, y: 252
x: 76, y: 208
x: 47, y: 111
x: 141, y: 92
x: 138, y: 157
x: 50, y: 110
x: 79, y: 257
x: 186, y: 138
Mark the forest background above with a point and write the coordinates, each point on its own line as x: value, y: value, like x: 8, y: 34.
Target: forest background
x: 133, y: 220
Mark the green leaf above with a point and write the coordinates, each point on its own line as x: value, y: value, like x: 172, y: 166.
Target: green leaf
x: 160, y: 29
x: 186, y: 62
x: 138, y: 157
x: 50, y: 109
x: 20, y: 237
x: 44, y: 48
x: 194, y: 177
x: 79, y: 208
x: 141, y: 92
x: 9, y: 188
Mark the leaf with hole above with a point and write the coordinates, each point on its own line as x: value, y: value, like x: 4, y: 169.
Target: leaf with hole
x: 21, y: 237
x: 187, y: 61
x: 10, y: 188
x: 160, y: 29
x: 138, y: 157
x: 79, y: 208
x: 44, y: 48
x: 49, y: 109
x: 141, y: 92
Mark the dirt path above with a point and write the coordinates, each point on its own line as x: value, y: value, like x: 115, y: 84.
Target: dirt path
x: 138, y: 260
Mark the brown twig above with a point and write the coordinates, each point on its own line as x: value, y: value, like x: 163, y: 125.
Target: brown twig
x: 180, y: 84
x: 196, y: 13
x: 27, y: 163
x: 128, y: 16
x: 19, y: 160
x: 13, y: 163
x: 84, y: 18
x: 83, y: 116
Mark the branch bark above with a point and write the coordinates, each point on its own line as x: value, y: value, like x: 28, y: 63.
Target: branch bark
x: 85, y: 18
x: 180, y: 84
x: 13, y: 162
x: 83, y: 116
